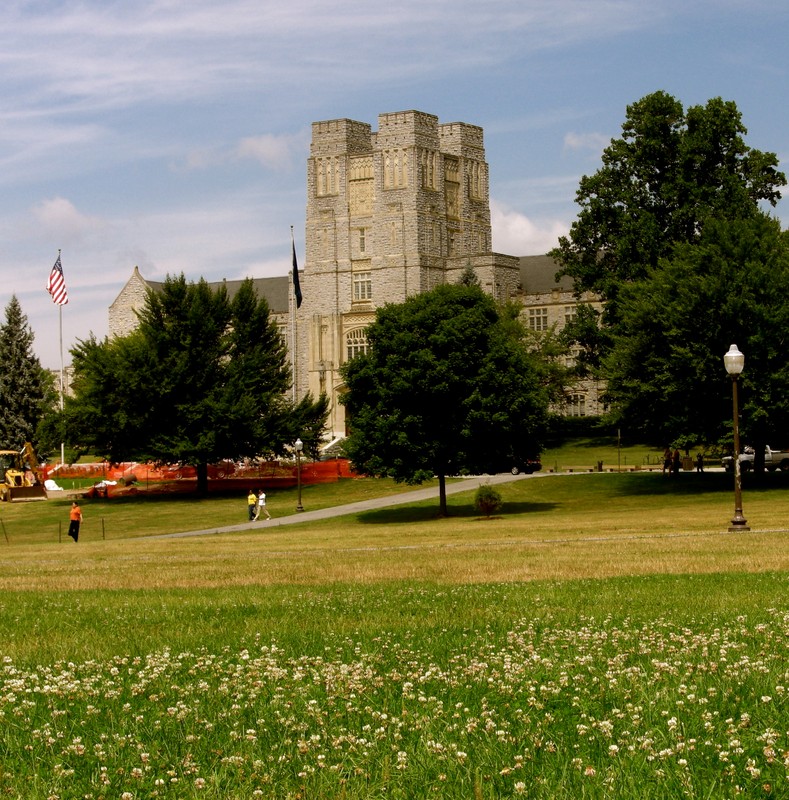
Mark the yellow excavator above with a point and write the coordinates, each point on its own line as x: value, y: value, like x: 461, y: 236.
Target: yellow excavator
x: 20, y: 477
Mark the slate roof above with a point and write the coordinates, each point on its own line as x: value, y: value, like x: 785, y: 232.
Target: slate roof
x: 538, y: 275
x: 275, y: 290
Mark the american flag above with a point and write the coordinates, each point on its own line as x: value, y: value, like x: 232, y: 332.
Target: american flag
x: 56, y: 285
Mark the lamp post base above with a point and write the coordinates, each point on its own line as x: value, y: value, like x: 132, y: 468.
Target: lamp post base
x: 738, y: 524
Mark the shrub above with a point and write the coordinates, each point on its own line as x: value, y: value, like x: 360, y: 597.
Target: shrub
x: 487, y: 500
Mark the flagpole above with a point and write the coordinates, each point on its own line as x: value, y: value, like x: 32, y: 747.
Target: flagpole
x: 60, y: 326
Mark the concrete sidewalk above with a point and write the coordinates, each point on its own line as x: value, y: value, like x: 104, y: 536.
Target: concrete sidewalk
x: 464, y: 485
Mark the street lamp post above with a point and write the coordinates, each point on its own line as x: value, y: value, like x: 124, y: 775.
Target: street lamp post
x: 298, y: 445
x: 734, y: 361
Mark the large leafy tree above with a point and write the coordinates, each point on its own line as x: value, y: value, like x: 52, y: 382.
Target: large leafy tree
x: 677, y: 194
x: 445, y: 388
x: 26, y: 389
x: 665, y: 371
x: 668, y: 174
x: 203, y: 378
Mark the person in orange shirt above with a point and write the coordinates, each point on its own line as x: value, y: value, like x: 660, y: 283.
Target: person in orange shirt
x: 75, y: 520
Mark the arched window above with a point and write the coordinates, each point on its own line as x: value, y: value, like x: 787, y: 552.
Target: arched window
x: 355, y: 342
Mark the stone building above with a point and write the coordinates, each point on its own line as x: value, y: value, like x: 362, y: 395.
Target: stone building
x: 390, y: 213
x: 131, y: 298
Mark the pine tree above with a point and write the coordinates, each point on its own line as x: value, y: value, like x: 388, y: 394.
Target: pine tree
x: 23, y: 382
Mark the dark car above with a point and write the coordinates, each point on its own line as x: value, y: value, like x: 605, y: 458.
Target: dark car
x: 527, y: 465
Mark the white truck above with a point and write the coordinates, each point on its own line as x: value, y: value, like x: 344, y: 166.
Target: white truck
x: 773, y: 459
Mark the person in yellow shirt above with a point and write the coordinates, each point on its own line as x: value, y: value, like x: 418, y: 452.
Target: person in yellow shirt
x: 252, y: 503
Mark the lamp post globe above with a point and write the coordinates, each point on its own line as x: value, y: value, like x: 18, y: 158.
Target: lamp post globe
x: 734, y: 361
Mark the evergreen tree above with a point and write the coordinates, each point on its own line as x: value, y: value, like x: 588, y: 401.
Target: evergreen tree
x: 25, y: 387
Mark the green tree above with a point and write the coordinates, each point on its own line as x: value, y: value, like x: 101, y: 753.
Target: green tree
x: 444, y: 389
x: 669, y: 173
x: 201, y: 379
x: 665, y: 371
x: 26, y: 389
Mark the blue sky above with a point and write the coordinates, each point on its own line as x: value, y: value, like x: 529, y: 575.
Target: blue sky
x: 174, y: 135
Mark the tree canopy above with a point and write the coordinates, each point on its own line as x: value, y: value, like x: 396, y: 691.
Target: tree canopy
x: 673, y: 238
x: 26, y: 390
x: 669, y: 173
x: 444, y: 389
x: 665, y: 369
x: 203, y: 378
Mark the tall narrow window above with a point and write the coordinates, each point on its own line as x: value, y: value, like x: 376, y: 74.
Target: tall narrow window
x: 362, y: 241
x: 576, y: 405
x: 362, y: 286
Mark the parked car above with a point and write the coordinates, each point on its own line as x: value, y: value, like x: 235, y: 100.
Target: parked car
x: 527, y: 465
x: 773, y: 459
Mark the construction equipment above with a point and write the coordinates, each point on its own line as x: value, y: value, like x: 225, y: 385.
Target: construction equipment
x: 20, y: 477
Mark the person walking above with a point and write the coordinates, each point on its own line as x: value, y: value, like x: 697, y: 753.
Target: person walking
x: 252, y: 504
x: 75, y: 518
x: 262, y: 506
x: 667, y: 461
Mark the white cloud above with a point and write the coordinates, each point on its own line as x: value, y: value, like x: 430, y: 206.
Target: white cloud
x: 121, y: 54
x: 59, y: 219
x: 515, y: 234
x: 277, y: 152
x: 271, y: 151
x: 593, y: 142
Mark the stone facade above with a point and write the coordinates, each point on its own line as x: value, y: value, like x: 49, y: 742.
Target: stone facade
x: 549, y: 304
x: 130, y: 299
x: 390, y: 213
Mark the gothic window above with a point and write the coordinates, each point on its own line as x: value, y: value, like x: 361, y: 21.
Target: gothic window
x: 395, y: 169
x: 476, y: 182
x: 452, y: 191
x: 428, y: 169
x: 362, y: 286
x: 356, y: 343
x: 327, y: 172
x: 538, y: 319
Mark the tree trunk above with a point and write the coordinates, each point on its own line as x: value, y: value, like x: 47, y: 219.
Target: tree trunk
x: 442, y: 495
x: 202, y: 479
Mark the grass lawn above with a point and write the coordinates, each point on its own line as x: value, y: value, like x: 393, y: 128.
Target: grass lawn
x: 604, y: 636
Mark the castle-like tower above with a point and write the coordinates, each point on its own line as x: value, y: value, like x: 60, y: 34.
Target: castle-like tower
x: 389, y: 214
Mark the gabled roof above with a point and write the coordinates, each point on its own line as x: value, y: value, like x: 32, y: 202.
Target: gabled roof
x: 276, y: 290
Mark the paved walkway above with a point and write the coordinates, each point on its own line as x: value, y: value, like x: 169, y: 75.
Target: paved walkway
x: 464, y: 485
